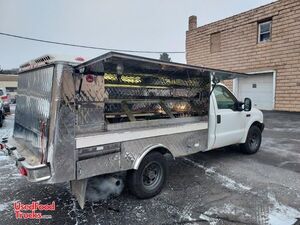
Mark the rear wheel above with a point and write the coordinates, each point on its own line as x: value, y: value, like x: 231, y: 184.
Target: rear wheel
x: 1, y: 120
x: 149, y: 179
x: 253, y: 141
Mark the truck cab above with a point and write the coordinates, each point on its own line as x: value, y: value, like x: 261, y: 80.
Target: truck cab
x: 230, y: 121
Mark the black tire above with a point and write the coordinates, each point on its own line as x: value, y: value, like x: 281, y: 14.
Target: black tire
x: 253, y: 141
x: 7, y: 109
x: 1, y: 120
x: 148, y: 180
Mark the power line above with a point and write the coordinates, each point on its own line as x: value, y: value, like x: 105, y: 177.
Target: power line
x: 85, y: 46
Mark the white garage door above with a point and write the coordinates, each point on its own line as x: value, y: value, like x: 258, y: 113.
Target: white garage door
x: 258, y: 87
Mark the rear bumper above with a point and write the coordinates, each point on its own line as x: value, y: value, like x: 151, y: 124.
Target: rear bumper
x: 35, y: 173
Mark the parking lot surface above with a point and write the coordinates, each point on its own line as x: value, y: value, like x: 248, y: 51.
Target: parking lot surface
x: 218, y: 187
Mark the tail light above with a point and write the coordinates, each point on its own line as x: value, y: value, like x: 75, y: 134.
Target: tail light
x: 4, y: 98
x: 80, y: 59
x: 89, y: 78
x: 23, y: 171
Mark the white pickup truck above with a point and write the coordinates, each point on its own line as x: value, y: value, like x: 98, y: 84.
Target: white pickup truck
x: 233, y: 122
x: 120, y: 113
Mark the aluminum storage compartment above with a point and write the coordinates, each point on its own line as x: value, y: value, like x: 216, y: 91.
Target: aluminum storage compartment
x: 147, y: 103
x: 32, y: 113
x: 44, y: 132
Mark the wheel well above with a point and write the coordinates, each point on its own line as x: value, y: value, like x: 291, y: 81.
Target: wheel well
x: 259, y: 125
x: 160, y: 149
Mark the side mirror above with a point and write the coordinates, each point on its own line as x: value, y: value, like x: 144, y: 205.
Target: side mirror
x: 247, y: 104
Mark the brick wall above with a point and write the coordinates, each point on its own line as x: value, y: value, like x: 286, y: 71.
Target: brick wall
x: 241, y: 52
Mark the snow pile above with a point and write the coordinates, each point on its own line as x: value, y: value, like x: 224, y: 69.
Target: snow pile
x: 224, y: 180
x: 282, y: 214
x: 7, y: 206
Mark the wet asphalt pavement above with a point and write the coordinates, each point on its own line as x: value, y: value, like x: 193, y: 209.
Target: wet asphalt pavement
x: 218, y: 187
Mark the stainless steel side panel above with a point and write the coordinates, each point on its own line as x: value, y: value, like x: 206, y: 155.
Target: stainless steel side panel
x: 180, y: 144
x: 90, y: 105
x: 61, y: 151
x: 98, y: 165
x: 45, y: 120
x: 33, y: 109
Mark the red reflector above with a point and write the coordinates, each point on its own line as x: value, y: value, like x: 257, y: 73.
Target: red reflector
x: 4, y: 97
x: 80, y: 59
x: 1, y: 146
x: 89, y: 78
x: 23, y: 171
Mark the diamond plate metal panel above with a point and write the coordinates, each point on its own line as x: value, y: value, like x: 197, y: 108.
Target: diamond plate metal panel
x: 178, y: 144
x: 33, y: 108
x: 89, y: 100
x: 62, y: 156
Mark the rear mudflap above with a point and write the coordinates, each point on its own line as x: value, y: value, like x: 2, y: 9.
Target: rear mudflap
x: 78, y: 188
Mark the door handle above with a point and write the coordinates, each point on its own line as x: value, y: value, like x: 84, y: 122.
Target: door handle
x: 248, y: 115
x: 218, y: 119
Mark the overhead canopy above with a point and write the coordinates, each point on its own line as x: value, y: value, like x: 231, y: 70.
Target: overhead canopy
x: 115, y: 62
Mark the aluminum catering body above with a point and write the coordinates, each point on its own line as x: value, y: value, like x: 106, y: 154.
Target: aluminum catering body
x: 75, y: 120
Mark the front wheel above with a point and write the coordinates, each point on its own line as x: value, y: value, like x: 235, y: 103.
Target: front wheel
x: 149, y: 179
x: 253, y: 141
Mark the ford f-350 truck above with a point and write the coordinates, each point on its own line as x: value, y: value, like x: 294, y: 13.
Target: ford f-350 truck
x: 75, y: 120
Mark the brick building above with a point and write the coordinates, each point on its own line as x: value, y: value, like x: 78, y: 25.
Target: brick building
x: 264, y: 42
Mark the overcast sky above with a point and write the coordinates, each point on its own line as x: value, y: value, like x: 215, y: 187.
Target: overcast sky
x: 157, y: 25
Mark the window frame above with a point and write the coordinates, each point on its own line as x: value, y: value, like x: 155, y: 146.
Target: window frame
x: 230, y: 94
x: 214, y: 48
x: 260, y: 23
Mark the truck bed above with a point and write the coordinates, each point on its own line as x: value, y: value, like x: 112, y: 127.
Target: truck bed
x: 136, y: 133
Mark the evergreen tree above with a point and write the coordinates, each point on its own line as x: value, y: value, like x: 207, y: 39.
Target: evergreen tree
x: 165, y: 57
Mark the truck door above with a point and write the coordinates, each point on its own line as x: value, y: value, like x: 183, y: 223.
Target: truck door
x: 230, y: 123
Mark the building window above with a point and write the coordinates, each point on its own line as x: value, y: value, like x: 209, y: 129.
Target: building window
x: 264, y: 31
x: 11, y: 89
x: 215, y: 42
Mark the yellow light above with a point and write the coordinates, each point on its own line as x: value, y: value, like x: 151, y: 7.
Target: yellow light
x: 131, y: 79
x: 110, y: 77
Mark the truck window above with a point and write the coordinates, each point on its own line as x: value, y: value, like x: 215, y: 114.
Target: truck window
x: 225, y: 100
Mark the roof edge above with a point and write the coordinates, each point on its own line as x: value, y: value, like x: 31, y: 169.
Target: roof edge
x: 235, y: 15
